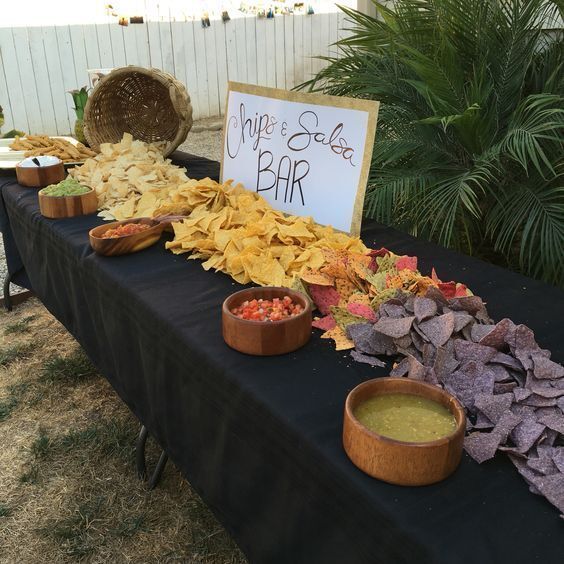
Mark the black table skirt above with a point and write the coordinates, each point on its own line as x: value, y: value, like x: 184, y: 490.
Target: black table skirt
x: 260, y: 438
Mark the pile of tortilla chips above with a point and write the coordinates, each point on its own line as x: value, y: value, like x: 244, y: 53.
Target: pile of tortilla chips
x: 512, y: 391
x: 350, y: 286
x: 131, y: 178
x: 237, y: 232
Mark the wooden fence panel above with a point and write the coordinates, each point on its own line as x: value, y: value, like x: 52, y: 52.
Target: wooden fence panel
x: 39, y: 65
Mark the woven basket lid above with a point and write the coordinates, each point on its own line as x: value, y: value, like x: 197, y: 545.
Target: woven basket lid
x: 148, y: 103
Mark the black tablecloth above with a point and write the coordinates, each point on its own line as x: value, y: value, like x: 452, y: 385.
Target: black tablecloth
x: 260, y: 438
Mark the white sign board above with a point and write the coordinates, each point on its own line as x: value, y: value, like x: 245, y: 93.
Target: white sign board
x: 306, y: 154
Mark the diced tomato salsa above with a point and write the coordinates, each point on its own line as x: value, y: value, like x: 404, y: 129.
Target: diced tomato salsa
x: 268, y: 310
x: 125, y: 229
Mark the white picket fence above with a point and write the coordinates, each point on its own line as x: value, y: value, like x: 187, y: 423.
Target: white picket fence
x: 39, y: 65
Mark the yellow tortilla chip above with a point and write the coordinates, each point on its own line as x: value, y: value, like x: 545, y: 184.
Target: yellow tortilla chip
x: 342, y: 342
x: 312, y: 277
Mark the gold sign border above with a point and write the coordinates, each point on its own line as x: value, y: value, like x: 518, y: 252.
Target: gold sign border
x: 369, y: 106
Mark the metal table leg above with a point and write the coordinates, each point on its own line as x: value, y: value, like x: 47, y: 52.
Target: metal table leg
x: 140, y: 460
x: 7, y: 297
x: 8, y: 301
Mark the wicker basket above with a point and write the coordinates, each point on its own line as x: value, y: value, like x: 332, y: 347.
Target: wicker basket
x: 148, y: 103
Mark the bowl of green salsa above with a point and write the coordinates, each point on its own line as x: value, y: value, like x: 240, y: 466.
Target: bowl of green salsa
x: 403, y: 431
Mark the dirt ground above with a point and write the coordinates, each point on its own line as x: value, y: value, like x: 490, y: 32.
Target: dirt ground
x: 68, y: 486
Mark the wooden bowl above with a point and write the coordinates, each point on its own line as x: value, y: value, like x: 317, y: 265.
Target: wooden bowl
x: 399, y: 462
x: 56, y: 207
x: 128, y: 243
x: 33, y: 176
x: 266, y: 338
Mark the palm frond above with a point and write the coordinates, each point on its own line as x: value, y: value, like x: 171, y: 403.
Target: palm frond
x: 471, y: 122
x: 538, y: 119
x: 532, y: 219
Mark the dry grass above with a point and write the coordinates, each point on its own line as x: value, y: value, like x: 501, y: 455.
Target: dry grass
x: 68, y: 488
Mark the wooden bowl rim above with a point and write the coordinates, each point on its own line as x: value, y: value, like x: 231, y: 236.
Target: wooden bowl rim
x: 39, y: 167
x: 154, y: 224
x: 289, y: 291
x: 457, y: 406
x: 90, y: 190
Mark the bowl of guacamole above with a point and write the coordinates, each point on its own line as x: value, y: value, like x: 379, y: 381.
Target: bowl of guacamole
x: 67, y: 187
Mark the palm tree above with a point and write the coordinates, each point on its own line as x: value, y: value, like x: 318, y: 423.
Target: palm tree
x: 469, y: 147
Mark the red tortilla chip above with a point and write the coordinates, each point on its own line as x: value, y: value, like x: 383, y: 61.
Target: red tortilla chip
x: 448, y: 289
x: 407, y: 263
x: 362, y: 310
x: 324, y: 297
x: 325, y: 323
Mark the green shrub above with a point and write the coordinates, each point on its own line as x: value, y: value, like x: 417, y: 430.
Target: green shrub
x: 469, y: 146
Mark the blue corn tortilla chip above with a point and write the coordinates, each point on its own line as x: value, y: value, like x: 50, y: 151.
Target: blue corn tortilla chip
x: 471, y: 304
x: 466, y: 350
x: 428, y: 354
x: 445, y: 363
x: 401, y: 369
x: 469, y: 380
x: 438, y: 329
x: 356, y: 330
x: 507, y: 422
x: 388, y: 309
x: 408, y: 304
x: 404, y: 342
x: 478, y: 332
x: 558, y: 457
x: 526, y: 434
x: 504, y: 387
x: 461, y: 320
x: 529, y: 475
x: 538, y: 401
x: 482, y: 422
x: 543, y: 465
x: 543, y: 368
x: 547, y: 392
x: 501, y: 373
x: 433, y: 293
x: 555, y: 422
x: 360, y: 334
x: 366, y: 359
x: 552, y: 487
x: 525, y: 411
x: 424, y: 308
x: 493, y: 407
x: 521, y: 394
x: 394, y: 328
x: 549, y: 437
x: 482, y: 446
x: 497, y: 337
x: 507, y: 361
x: 418, y: 341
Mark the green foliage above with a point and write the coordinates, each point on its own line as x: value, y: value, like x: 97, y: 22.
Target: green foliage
x: 16, y: 393
x: 469, y: 147
x: 15, y: 352
x: 21, y: 326
x: 72, y: 368
x: 79, y: 97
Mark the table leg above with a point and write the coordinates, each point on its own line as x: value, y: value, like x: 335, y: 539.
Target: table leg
x: 140, y: 453
x: 140, y: 460
x: 7, y: 298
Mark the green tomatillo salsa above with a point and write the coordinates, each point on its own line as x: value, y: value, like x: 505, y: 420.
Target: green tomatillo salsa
x: 406, y: 417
